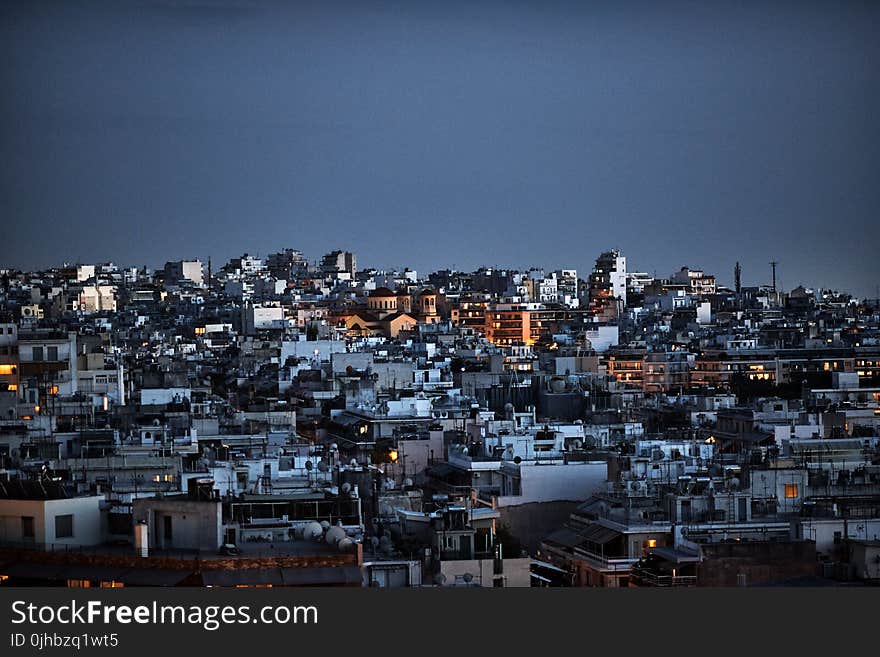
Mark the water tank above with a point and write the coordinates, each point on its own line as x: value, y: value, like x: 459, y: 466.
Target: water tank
x: 557, y: 384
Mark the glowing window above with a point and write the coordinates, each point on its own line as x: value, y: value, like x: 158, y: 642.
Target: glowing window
x: 791, y: 491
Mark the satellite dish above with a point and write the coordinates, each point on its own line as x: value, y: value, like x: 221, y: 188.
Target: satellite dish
x: 312, y: 531
x: 517, y: 459
x: 322, y: 466
x: 353, y: 463
x: 335, y: 535
x: 325, y: 525
x: 346, y: 487
x: 439, y: 579
x: 345, y: 545
x: 467, y: 577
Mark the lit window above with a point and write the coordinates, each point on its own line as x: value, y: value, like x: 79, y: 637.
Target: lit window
x: 652, y: 542
x: 791, y: 491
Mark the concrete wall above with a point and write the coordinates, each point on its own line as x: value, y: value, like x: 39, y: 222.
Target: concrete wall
x: 339, y: 362
x: 393, y: 375
x: 163, y: 395
x: 822, y: 530
x: 865, y: 560
x: 530, y: 523
x: 762, y: 562
x: 86, y: 514
x: 194, y: 525
x: 547, y: 483
x: 516, y: 572
x: 306, y: 349
x: 415, y: 455
x: 772, y: 482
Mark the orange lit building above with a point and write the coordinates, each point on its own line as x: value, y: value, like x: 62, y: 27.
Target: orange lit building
x: 627, y: 366
x: 471, y: 312
x: 507, y: 324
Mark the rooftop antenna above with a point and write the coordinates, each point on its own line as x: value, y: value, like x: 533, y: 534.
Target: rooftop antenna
x: 737, y: 278
x: 773, y: 264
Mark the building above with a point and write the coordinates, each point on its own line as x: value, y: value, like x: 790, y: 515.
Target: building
x: 339, y: 262
x: 184, y: 270
x: 607, y: 286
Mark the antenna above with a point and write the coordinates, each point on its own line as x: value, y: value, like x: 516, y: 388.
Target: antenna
x: 737, y: 277
x: 773, y: 264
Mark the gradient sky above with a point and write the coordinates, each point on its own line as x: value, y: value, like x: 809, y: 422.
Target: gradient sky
x: 442, y: 134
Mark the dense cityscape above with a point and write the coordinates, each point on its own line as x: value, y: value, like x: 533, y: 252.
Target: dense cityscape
x: 280, y: 421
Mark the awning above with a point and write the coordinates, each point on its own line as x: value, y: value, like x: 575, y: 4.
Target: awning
x: 600, y: 534
x: 93, y: 573
x: 61, y: 572
x: 442, y: 470
x: 243, y: 577
x: 565, y: 537
x: 28, y: 570
x: 676, y: 556
x: 328, y: 576
x: 153, y: 577
x: 544, y: 564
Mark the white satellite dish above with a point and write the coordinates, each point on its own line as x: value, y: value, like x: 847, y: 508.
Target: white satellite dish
x: 312, y: 531
x: 334, y: 535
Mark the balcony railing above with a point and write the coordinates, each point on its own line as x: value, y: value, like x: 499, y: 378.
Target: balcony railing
x: 648, y: 578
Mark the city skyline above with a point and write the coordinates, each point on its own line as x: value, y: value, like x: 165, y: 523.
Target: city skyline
x: 314, y: 259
